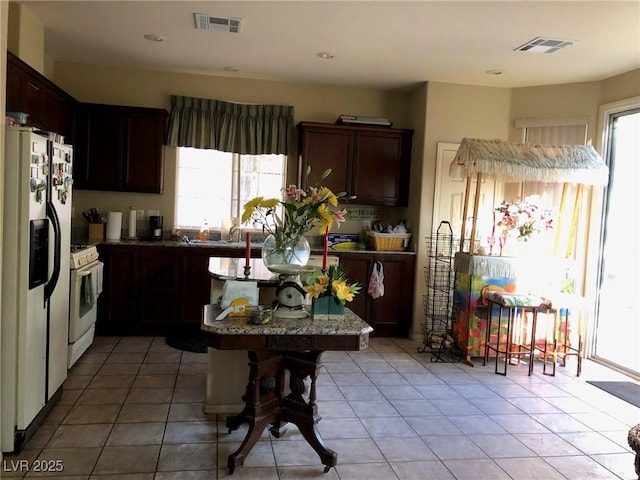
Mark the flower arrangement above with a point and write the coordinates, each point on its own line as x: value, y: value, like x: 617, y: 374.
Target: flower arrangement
x: 333, y: 283
x: 525, y: 217
x: 300, y: 211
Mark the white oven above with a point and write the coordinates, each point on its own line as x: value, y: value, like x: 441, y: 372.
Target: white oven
x: 85, y: 288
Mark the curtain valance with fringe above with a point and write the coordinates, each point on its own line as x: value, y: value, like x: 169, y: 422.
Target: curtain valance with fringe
x: 530, y: 162
x: 231, y: 127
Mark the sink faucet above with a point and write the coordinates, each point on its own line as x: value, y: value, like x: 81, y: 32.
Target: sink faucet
x: 234, y: 228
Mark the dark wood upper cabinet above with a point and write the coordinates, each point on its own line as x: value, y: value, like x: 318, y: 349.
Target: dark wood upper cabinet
x: 120, y: 148
x: 49, y: 107
x: 372, y: 163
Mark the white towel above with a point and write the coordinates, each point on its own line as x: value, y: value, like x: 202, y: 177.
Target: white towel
x: 97, y: 273
x: 85, y: 288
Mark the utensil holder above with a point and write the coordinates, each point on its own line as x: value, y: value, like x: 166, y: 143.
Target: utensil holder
x: 96, y: 232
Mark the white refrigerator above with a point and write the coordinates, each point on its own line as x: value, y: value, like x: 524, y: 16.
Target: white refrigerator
x: 35, y: 277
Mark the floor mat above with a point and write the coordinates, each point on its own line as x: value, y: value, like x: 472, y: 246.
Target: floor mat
x: 627, y: 391
x: 188, y: 340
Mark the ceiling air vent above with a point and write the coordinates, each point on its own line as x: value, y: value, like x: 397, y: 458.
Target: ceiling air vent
x: 544, y: 45
x: 211, y: 22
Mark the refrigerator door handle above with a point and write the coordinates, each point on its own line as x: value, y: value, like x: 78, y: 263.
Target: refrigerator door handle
x: 53, y: 281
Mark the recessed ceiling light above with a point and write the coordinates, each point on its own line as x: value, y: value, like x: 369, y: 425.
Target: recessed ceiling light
x: 325, y: 55
x: 495, y: 72
x: 231, y: 69
x: 154, y: 37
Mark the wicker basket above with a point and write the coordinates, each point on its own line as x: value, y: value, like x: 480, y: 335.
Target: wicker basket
x: 388, y: 241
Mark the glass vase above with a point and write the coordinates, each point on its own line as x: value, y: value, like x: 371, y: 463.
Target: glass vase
x: 295, y: 252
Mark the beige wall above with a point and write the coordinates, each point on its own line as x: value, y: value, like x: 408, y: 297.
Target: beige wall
x: 556, y: 101
x: 621, y: 87
x: 26, y: 36
x: 452, y: 113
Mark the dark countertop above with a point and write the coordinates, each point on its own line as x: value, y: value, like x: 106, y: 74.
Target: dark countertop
x: 236, y: 245
x: 351, y: 324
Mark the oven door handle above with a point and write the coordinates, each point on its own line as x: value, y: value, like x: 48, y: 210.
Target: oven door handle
x: 84, y: 273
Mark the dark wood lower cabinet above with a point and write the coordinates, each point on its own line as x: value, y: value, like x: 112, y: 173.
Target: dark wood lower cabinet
x: 118, y: 311
x: 391, y: 314
x: 149, y: 290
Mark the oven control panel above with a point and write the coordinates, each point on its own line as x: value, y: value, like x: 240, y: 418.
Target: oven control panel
x: 83, y: 255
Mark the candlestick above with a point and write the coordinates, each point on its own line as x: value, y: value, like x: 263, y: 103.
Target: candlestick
x: 325, y: 247
x: 247, y: 249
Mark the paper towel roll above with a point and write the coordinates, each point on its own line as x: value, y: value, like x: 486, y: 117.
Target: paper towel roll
x: 132, y: 223
x: 114, y: 225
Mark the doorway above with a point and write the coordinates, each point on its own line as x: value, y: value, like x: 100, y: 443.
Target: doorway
x: 618, y: 309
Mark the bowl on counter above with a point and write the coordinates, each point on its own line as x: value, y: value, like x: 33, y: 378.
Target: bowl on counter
x: 20, y: 117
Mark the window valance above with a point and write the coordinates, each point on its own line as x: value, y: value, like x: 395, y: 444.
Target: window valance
x: 245, y: 129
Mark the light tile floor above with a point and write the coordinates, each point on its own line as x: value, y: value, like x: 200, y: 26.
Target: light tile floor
x: 132, y: 410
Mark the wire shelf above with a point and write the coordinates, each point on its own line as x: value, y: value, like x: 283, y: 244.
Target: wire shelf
x: 438, y: 302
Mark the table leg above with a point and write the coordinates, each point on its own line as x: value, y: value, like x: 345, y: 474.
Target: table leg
x: 261, y: 401
x: 275, y: 396
x: 303, y: 413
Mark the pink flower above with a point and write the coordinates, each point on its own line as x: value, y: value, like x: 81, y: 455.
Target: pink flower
x: 292, y: 191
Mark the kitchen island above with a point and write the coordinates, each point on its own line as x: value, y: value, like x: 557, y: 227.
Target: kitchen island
x: 282, y: 354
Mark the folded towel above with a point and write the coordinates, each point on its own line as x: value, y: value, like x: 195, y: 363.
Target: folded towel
x: 87, y: 290
x: 97, y: 272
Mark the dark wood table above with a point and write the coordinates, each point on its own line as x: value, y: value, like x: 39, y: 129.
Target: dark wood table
x: 282, y: 354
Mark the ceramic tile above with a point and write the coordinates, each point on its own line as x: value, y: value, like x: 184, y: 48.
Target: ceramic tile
x: 548, y: 445
x: 351, y: 379
x: 403, y: 449
x: 454, y: 447
x: 102, y: 396
x: 433, y: 470
x: 414, y: 408
x: 193, y: 456
x: 136, y: 434
x: 501, y: 445
x: 111, y: 381
x: 94, y: 435
x: 579, y: 468
x: 132, y: 409
x: 364, y: 408
x: 190, y: 432
x: 528, y: 469
x: 150, y: 395
x: 476, y: 469
x: 341, y: 428
x: 154, y: 381
x: 379, y: 471
x: 128, y: 459
x: 136, y: 413
x: 82, y: 414
x: 188, y: 412
x: 387, y: 427
x: 72, y: 461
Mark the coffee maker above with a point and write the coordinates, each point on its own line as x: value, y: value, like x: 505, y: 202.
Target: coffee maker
x: 155, y: 227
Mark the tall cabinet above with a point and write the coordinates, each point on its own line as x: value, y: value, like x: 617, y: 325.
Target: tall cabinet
x: 372, y: 163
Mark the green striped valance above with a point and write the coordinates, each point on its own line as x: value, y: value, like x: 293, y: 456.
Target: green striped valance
x: 231, y: 127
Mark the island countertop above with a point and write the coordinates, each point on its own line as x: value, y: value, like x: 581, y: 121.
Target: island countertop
x: 314, y: 334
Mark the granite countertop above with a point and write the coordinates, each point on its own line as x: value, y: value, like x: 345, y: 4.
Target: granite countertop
x: 350, y: 325
x: 236, y: 245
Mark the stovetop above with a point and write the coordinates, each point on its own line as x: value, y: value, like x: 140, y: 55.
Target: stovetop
x: 82, y: 255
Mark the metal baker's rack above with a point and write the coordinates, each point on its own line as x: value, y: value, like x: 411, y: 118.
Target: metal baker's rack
x: 438, y: 302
